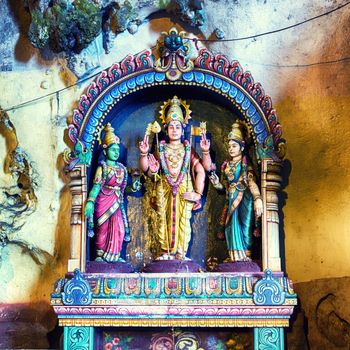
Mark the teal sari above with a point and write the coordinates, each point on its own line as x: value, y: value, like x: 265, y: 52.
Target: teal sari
x: 240, y: 213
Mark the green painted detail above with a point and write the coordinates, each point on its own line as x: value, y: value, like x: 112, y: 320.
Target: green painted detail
x: 83, y: 154
x: 267, y: 149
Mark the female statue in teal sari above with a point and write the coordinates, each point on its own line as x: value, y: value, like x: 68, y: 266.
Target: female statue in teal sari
x: 243, y: 198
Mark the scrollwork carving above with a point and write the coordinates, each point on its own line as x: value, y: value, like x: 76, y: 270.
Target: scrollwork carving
x: 77, y: 291
x: 268, y: 339
x: 267, y: 291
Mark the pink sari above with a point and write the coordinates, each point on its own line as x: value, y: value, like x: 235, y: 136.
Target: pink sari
x: 110, y: 213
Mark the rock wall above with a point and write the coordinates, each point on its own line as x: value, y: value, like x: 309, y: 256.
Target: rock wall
x: 311, y: 97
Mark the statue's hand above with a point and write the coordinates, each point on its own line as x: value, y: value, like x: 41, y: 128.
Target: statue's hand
x: 204, y: 143
x: 191, y: 196
x: 153, y: 164
x: 258, y: 207
x: 136, y: 185
x: 214, y: 179
x: 144, y: 145
x: 89, y: 209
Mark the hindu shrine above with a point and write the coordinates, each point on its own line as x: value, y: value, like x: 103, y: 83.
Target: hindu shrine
x: 174, y: 175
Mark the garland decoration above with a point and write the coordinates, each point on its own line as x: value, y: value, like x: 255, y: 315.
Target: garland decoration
x: 174, y: 184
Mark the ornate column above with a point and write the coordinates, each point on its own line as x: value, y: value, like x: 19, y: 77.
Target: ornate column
x: 78, y: 237
x: 78, y: 338
x: 270, y: 185
x: 268, y: 338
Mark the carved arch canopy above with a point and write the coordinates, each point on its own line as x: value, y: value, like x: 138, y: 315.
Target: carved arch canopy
x: 156, y: 76
x: 212, y: 75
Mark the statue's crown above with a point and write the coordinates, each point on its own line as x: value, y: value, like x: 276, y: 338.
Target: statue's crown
x: 172, y: 110
x: 109, y: 137
x: 236, y: 133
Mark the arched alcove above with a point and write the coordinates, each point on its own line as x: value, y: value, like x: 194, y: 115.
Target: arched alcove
x: 140, y: 83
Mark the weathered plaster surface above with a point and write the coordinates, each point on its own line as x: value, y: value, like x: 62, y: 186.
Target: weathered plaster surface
x: 311, y: 102
x: 328, y: 321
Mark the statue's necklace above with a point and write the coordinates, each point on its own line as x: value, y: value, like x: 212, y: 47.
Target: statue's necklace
x: 174, y: 155
x: 175, y: 184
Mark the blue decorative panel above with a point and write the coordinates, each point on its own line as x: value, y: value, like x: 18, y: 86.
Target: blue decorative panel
x: 217, y: 83
x: 102, y: 106
x: 233, y: 91
x: 131, y: 83
x: 261, y: 137
x: 199, y: 77
x: 268, y: 291
x: 225, y: 87
x: 240, y: 97
x: 108, y: 99
x: 251, y: 110
x: 189, y: 76
x: 246, y: 103
x: 209, y: 79
x: 159, y: 77
x: 77, y: 291
x: 149, y: 78
x: 140, y: 80
x: 123, y: 87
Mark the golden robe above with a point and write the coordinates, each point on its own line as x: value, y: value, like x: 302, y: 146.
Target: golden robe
x: 174, y: 213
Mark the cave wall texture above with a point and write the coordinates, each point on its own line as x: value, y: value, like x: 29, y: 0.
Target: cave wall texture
x: 305, y: 70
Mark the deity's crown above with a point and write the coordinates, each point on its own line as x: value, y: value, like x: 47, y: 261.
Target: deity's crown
x: 109, y: 137
x: 236, y: 133
x: 171, y: 110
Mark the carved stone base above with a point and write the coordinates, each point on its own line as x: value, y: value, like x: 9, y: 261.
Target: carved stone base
x: 238, y: 266
x: 99, y: 267
x: 159, y: 266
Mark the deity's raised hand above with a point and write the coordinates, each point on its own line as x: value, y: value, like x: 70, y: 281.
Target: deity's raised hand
x: 204, y: 143
x: 144, y: 144
x: 153, y: 164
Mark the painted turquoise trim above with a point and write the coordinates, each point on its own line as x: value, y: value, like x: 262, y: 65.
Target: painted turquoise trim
x: 268, y: 338
x: 78, y: 338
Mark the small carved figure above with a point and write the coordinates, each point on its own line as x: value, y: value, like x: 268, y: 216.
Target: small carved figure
x: 105, y: 203
x: 243, y: 198
x: 179, y: 179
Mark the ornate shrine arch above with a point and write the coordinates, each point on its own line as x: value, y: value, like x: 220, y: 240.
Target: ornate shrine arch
x: 225, y: 83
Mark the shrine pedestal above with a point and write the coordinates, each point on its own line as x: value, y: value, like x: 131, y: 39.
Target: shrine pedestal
x: 87, y: 301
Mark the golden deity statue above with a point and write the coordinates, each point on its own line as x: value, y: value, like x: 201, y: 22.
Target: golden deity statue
x: 179, y: 178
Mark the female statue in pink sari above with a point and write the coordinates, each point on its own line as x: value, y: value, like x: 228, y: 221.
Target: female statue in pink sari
x: 105, y: 204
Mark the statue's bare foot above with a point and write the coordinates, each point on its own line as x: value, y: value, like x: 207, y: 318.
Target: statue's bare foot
x: 178, y: 256
x: 99, y: 259
x: 164, y: 257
